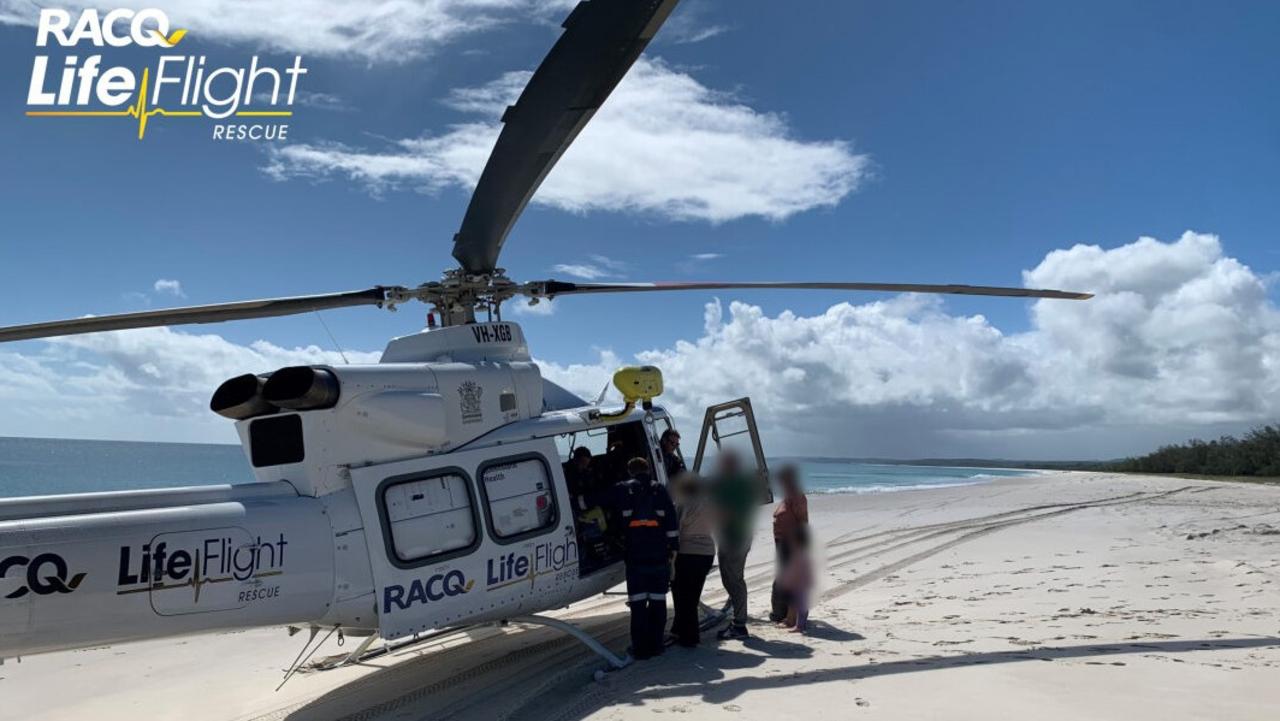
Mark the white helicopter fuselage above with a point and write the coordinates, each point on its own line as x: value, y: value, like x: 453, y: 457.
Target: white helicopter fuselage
x: 423, y: 492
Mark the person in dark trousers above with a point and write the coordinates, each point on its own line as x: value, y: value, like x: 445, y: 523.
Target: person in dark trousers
x: 789, y: 516
x: 672, y: 461
x: 736, y: 497
x: 694, y: 558
x: 650, y: 535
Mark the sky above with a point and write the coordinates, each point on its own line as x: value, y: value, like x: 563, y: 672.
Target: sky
x: 1124, y: 148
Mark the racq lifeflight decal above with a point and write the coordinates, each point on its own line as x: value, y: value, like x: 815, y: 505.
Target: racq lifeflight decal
x: 75, y: 83
x: 435, y: 587
x: 191, y: 571
x: 42, y: 575
x: 546, y: 557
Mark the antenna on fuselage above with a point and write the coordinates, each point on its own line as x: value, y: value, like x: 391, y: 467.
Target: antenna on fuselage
x: 335, y: 340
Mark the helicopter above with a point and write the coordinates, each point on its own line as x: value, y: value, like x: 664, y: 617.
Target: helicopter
x: 428, y: 491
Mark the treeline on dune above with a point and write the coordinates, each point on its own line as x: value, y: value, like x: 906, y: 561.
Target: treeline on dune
x: 1257, y: 453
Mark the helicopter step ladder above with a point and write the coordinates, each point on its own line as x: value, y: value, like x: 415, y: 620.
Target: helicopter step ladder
x: 714, y: 424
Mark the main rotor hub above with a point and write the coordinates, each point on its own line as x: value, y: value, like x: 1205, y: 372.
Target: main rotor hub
x: 458, y: 294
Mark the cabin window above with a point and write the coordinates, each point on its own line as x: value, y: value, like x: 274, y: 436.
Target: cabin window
x: 519, y: 497
x: 429, y: 516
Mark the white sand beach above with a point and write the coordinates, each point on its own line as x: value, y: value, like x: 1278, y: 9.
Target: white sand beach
x: 1061, y: 596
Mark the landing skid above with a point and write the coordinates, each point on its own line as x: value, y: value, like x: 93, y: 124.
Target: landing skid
x: 363, y: 652
x: 585, y: 638
x: 356, y: 653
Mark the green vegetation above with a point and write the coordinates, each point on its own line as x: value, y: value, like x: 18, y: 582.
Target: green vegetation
x: 1256, y: 454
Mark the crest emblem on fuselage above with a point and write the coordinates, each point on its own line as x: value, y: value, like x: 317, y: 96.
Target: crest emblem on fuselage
x: 469, y: 400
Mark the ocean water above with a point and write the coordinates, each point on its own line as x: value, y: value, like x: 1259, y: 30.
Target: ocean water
x: 850, y: 477
x: 40, y: 466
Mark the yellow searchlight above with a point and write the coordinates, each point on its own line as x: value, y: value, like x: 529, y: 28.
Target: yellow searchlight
x: 636, y: 383
x: 639, y: 383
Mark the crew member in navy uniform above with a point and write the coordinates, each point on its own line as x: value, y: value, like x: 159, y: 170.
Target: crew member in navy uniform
x: 651, y: 536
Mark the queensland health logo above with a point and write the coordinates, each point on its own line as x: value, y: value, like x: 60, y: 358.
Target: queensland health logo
x: 71, y: 77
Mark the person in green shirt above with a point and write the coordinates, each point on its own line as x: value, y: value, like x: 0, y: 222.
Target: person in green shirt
x: 736, y: 495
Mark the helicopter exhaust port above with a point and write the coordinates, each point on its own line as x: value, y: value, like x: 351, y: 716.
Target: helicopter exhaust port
x: 302, y: 388
x: 241, y: 397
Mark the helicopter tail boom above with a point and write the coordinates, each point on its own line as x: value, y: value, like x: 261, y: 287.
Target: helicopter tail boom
x: 90, y: 569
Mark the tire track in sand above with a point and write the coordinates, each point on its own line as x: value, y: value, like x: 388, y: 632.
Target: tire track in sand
x: 548, y: 664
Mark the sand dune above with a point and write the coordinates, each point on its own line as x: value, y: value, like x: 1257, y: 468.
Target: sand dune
x: 1069, y: 595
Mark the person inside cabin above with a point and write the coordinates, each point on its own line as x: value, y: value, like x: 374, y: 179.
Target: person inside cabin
x: 584, y: 482
x: 790, y: 513
x: 672, y: 460
x: 693, y: 560
x: 650, y: 535
x: 583, y: 478
x: 614, y: 463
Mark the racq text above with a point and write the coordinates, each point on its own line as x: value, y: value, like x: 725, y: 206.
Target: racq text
x: 254, y: 131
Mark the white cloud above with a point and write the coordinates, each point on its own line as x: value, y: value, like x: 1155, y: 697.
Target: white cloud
x: 542, y: 308
x: 311, y: 99
x: 580, y: 270
x: 169, y: 287
x: 662, y: 144
x: 698, y: 34
x: 146, y: 384
x: 383, y: 31
x: 689, y: 24
x: 697, y: 262
x: 604, y: 261
x: 601, y: 266
x: 1181, y: 340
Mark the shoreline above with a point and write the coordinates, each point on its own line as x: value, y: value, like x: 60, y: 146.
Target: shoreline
x: 926, y: 482
x: 1000, y: 599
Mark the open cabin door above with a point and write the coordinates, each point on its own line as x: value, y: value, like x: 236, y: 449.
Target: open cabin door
x: 734, y: 419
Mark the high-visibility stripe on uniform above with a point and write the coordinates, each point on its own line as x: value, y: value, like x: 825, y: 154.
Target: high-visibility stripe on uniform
x: 643, y: 523
x: 626, y: 513
x: 647, y: 597
x: 673, y: 534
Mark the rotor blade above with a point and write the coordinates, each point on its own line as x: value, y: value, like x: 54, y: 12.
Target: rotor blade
x: 600, y: 42
x: 198, y: 314
x: 553, y: 288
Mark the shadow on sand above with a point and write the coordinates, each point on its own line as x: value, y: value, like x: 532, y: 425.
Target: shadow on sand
x: 693, y: 674
x: 708, y: 683
x: 826, y: 632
